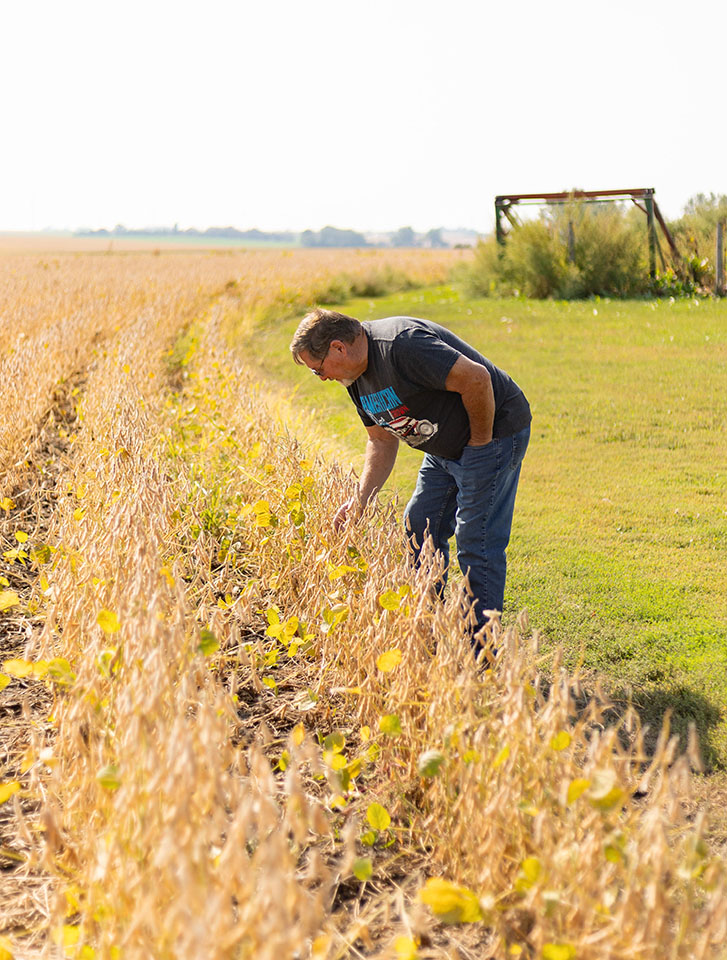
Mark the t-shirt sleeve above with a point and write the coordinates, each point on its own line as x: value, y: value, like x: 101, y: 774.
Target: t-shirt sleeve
x: 365, y: 418
x: 422, y: 357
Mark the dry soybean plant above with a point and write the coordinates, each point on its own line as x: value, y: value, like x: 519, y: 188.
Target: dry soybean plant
x: 262, y: 738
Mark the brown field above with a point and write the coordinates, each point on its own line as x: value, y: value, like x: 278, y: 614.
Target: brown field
x: 228, y: 732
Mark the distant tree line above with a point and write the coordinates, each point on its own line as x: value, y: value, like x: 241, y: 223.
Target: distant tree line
x: 231, y: 233
x: 327, y: 237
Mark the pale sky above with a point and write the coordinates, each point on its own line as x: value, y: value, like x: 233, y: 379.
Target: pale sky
x: 372, y: 115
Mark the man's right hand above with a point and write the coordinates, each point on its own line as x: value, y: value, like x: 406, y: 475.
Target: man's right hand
x: 343, y: 513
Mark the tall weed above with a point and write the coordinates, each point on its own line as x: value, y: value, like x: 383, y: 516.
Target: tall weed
x: 608, y: 257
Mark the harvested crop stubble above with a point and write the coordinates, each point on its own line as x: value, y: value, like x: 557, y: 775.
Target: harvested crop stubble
x: 255, y: 718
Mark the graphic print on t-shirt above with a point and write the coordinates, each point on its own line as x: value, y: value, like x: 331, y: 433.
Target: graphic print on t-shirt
x: 387, y: 410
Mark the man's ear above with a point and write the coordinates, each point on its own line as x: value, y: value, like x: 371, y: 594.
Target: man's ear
x: 337, y: 344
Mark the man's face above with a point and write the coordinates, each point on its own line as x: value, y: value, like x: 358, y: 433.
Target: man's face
x: 337, y: 364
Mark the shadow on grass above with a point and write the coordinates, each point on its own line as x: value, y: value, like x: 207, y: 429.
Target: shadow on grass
x: 684, y: 706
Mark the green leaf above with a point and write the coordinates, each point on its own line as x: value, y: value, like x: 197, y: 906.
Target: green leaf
x: 208, y: 642
x: 334, y: 741
x: 429, y: 763
x: 363, y: 869
x: 40, y: 553
x: 59, y: 670
x: 378, y: 816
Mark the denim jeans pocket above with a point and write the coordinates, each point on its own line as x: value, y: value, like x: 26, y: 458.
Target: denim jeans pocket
x: 480, y: 452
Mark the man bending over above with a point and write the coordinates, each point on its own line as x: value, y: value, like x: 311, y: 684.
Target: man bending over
x: 415, y: 381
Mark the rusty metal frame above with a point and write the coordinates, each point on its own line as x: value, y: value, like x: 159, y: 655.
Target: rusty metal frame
x: 505, y: 202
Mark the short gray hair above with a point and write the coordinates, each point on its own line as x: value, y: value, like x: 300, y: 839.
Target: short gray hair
x: 318, y: 329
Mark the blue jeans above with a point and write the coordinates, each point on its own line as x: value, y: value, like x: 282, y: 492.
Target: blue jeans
x: 473, y: 498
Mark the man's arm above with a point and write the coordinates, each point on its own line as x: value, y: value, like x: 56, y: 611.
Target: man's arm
x: 474, y: 384
x: 381, y: 450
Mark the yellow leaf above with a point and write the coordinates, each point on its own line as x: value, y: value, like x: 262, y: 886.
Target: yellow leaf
x: 18, y: 668
x: 559, y: 951
x: 450, y: 902
x: 6, y: 504
x: 378, y: 816
x: 406, y: 948
x: 70, y: 935
x: 389, y: 661
x: 8, y: 598
x: 334, y: 573
x: 561, y: 740
x: 298, y: 734
x: 576, y: 788
x: 21, y: 536
x: 605, y: 792
x: 6, y: 949
x: 502, y: 756
x: 390, y: 725
x: 319, y: 947
x: 4, y: 681
x: 78, y: 513
x: 8, y: 789
x: 390, y: 600
x: 365, y: 734
x: 530, y: 871
x: 108, y: 621
x: 337, y: 803
x: 336, y: 761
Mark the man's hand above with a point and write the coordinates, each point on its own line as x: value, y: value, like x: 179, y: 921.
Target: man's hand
x: 343, y: 513
x: 381, y: 450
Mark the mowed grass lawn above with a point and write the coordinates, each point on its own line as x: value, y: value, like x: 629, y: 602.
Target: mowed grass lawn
x: 619, y: 545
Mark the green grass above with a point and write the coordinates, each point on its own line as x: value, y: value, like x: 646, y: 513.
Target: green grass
x: 619, y: 545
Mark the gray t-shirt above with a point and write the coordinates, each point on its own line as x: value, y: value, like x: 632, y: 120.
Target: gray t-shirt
x: 403, y: 387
